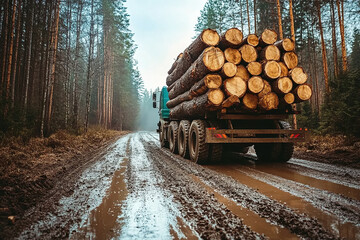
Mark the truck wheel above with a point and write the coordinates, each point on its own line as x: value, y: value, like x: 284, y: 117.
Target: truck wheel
x: 198, y: 149
x: 268, y: 152
x: 287, y: 149
x: 215, y: 149
x: 183, y: 135
x: 173, y: 131
x: 162, y: 134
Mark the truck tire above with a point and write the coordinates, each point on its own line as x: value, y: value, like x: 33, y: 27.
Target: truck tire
x: 173, y: 132
x: 215, y: 149
x: 287, y: 149
x: 162, y: 136
x: 183, y: 136
x: 198, y: 149
x: 267, y: 152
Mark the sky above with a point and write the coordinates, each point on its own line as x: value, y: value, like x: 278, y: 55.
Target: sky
x: 163, y: 29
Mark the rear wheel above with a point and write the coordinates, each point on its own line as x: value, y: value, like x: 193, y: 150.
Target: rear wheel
x: 198, y: 149
x: 183, y: 136
x: 215, y: 149
x: 287, y: 149
x: 162, y: 134
x: 173, y: 131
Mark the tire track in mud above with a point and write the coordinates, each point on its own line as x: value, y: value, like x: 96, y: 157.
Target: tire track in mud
x: 277, y: 213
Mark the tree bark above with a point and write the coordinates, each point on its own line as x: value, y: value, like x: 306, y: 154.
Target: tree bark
x: 211, y: 60
x: 254, y: 68
x: 342, y: 34
x: 292, y: 25
x: 279, y: 19
x: 248, y: 15
x: 232, y: 55
x: 5, y: 45
x: 255, y: 84
x: 235, y: 86
x: 333, y: 32
x: 173, y: 66
x: 182, y: 66
x: 18, y: 34
x: 207, y: 38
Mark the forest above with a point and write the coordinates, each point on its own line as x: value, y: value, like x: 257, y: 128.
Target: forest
x: 66, y: 65
x: 327, y: 37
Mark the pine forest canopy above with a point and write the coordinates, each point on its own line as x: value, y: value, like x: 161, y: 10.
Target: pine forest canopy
x: 66, y: 64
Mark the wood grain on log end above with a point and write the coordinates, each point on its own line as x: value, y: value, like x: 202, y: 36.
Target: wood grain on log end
x: 269, y: 102
x: 285, y: 45
x: 268, y: 37
x: 284, y: 70
x: 242, y: 73
x: 267, y: 89
x: 302, y: 93
x: 290, y: 59
x: 235, y: 86
x: 213, y: 81
x: 216, y: 97
x: 248, y: 53
x: 210, y: 37
x: 271, y: 70
x: 228, y: 70
x: 250, y: 101
x: 232, y: 55
x: 251, y: 39
x: 255, y: 84
x: 254, y: 68
x: 282, y: 85
x: 230, y: 101
x: 289, y: 98
x: 231, y: 38
x: 213, y: 59
x: 270, y: 52
x: 298, y: 75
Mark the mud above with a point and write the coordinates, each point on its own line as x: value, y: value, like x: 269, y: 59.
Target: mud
x: 134, y: 189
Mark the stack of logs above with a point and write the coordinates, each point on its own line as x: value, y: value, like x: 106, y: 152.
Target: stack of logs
x: 256, y: 74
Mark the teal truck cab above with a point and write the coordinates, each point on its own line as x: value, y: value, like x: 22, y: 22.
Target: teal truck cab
x: 205, y: 140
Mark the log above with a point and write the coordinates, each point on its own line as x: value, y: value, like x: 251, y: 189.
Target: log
x: 268, y: 37
x: 242, y: 73
x: 271, y: 70
x: 255, y: 84
x: 232, y: 38
x: 230, y: 101
x: 267, y: 89
x: 254, y: 68
x: 284, y: 70
x: 207, y: 38
x: 232, y: 55
x: 302, y: 93
x: 270, y: 52
x: 211, y: 60
x: 228, y: 70
x: 298, y: 75
x: 175, y: 63
x: 288, y: 99
x: 285, y: 45
x: 251, y: 40
x: 250, y: 101
x: 282, y: 85
x: 210, y: 81
x: 182, y: 66
x: 248, y: 53
x: 235, y: 86
x: 198, y: 106
x: 290, y: 59
x: 269, y: 102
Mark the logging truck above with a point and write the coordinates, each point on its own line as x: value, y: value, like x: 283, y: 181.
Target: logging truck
x: 206, y: 139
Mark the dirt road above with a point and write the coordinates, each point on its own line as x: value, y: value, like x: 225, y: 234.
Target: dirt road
x: 136, y: 190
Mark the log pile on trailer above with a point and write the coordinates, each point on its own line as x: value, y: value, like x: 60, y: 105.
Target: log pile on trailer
x: 252, y: 74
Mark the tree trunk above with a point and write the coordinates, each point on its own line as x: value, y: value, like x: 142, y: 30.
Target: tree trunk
x: 292, y: 25
x: 228, y: 70
x: 207, y: 38
x: 282, y: 85
x: 254, y: 68
x: 279, y: 19
x: 248, y: 15
x: 290, y: 59
x: 323, y: 48
x: 182, y: 65
x: 242, y: 73
x: 255, y: 17
x: 268, y: 37
x: 198, y: 106
x: 210, y: 81
x: 334, y: 41
x: 232, y: 55
x: 18, y: 33
x: 173, y: 66
x: 269, y: 53
x: 248, y: 53
x: 235, y: 86
x: 211, y: 60
x: 342, y: 34
x: 271, y: 70
x: 269, y: 102
x: 5, y: 45
x: 232, y: 38
x: 285, y: 45
x: 255, y: 84
x: 298, y: 75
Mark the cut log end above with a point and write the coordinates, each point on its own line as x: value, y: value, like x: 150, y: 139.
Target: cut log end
x: 298, y: 75
x: 216, y: 97
x: 210, y: 37
x: 268, y: 37
x: 233, y: 37
x: 288, y: 45
x: 270, y: 52
x: 213, y: 59
x: 250, y: 101
x: 248, y: 53
x: 242, y: 73
x: 290, y: 59
x: 254, y: 68
x: 232, y: 55
x: 235, y: 86
x: 267, y: 89
x: 252, y: 40
x: 255, y: 84
x: 228, y: 70
x: 283, y: 85
x: 269, y: 102
x: 303, y: 93
x: 213, y: 81
x: 272, y: 70
x: 284, y: 70
x: 230, y: 101
x: 289, y: 98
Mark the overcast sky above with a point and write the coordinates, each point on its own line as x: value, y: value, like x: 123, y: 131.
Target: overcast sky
x: 163, y: 29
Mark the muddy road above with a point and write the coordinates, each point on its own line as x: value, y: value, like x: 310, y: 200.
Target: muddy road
x: 136, y: 190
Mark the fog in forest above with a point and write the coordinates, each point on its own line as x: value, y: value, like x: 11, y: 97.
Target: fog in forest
x: 148, y: 116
